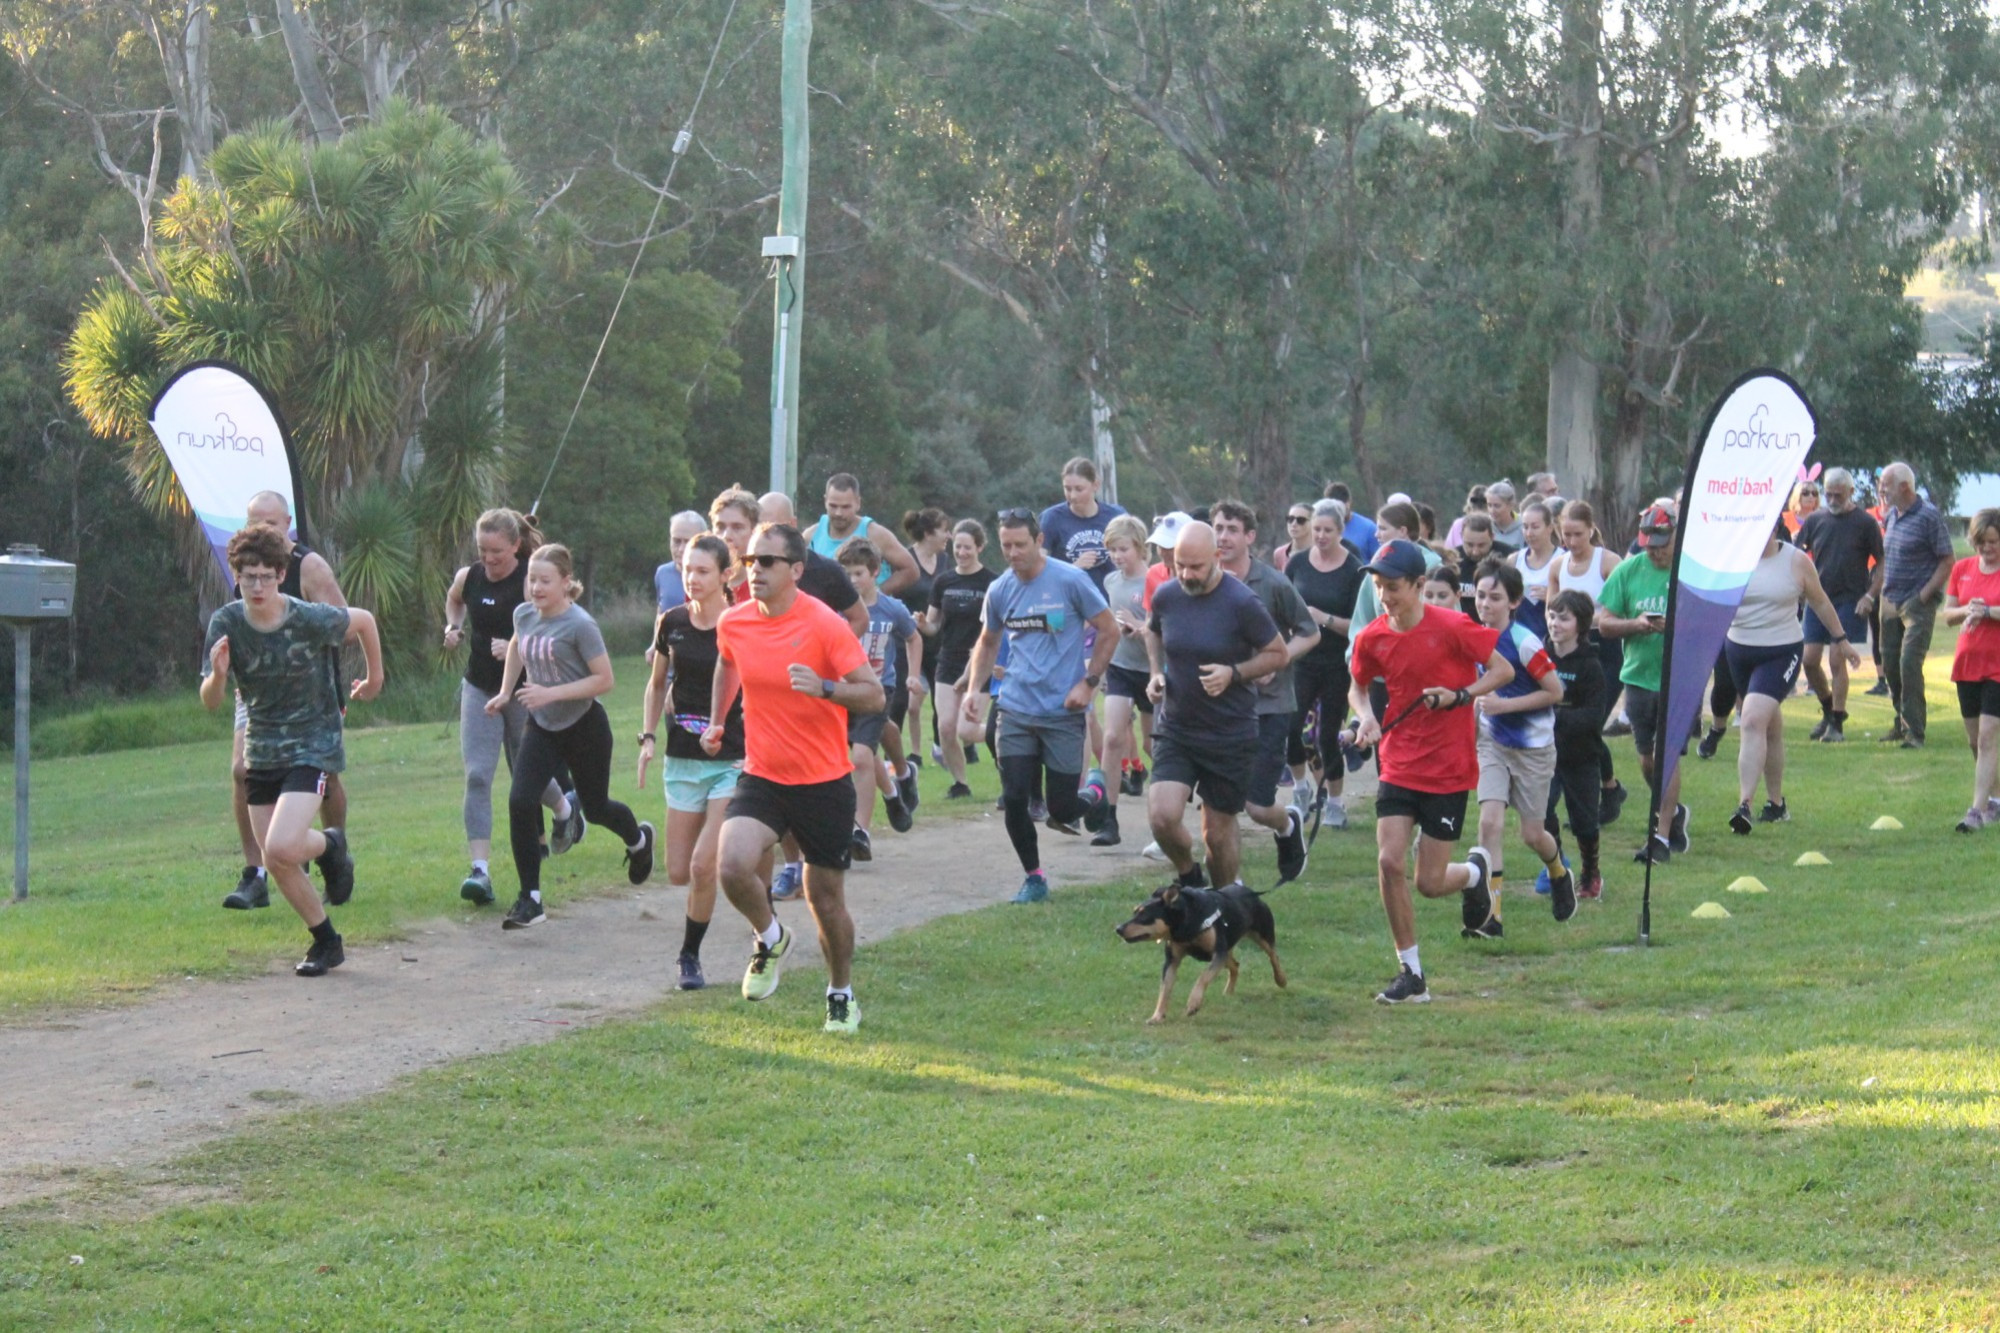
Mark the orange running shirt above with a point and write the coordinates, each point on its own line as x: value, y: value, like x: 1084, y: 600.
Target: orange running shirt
x: 788, y: 736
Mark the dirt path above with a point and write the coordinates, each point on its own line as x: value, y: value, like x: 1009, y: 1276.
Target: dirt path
x: 133, y: 1085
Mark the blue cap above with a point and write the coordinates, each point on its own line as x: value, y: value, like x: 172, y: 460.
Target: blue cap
x: 1398, y: 559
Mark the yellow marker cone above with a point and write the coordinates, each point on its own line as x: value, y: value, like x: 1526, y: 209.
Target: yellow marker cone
x: 1811, y: 859
x: 1711, y: 912
x: 1886, y: 824
x: 1747, y: 884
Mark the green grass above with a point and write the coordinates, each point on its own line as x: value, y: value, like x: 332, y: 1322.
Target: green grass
x: 1783, y: 1120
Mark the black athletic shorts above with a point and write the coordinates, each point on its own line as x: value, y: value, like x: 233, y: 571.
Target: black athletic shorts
x: 263, y: 786
x: 1268, y: 763
x: 1218, y: 771
x: 1125, y: 683
x: 1439, y: 815
x: 819, y: 814
x: 1978, y: 698
x: 866, y: 729
x: 1770, y: 671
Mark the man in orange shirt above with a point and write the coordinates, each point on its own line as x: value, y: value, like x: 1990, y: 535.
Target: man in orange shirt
x: 801, y: 672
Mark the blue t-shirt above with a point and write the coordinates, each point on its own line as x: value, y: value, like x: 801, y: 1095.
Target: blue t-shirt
x: 1067, y: 537
x: 1227, y: 624
x: 1045, y: 621
x: 1535, y: 729
x: 889, y: 624
x: 668, y: 588
x: 1361, y: 532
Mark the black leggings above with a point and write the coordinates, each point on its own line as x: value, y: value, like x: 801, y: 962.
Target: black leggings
x: 1721, y: 696
x: 585, y: 747
x: 1020, y: 775
x: 1320, y: 684
x: 1576, y: 785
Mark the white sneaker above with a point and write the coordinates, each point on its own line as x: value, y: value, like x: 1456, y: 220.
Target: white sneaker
x: 1152, y: 852
x: 1333, y: 814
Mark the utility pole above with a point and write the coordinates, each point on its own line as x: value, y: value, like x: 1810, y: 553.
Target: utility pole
x: 787, y: 250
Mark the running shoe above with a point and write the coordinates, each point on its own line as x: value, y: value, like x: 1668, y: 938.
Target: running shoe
x: 1740, y: 821
x: 1618, y: 725
x: 321, y: 959
x: 1107, y: 832
x: 691, y: 977
x: 477, y: 887
x: 1152, y: 852
x: 1034, y: 889
x: 1542, y: 885
x: 959, y: 792
x: 1911, y: 743
x: 1711, y: 741
x: 789, y: 882
x: 1610, y: 803
x: 1992, y: 809
x: 937, y: 754
x: 1407, y: 988
x: 567, y: 833
x: 906, y: 787
x: 524, y: 913
x: 1819, y: 728
x: 1038, y: 809
x: 898, y: 811
x: 1880, y: 689
x: 1132, y: 782
x: 1591, y: 889
x: 336, y: 868
x: 1099, y: 809
x: 860, y: 847
x: 1835, y: 733
x: 1332, y: 814
x: 252, y: 890
x: 1774, y: 812
x: 1562, y: 895
x: 1475, y: 903
x: 1071, y: 828
x: 639, y: 864
x: 1974, y: 820
x: 766, y: 960
x: 1655, y: 851
x: 843, y: 1015
x: 972, y: 754
x: 1292, y: 849
x: 1677, y: 831
x: 1490, y: 931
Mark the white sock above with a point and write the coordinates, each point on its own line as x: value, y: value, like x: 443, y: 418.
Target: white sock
x: 772, y: 933
x: 639, y: 846
x: 536, y: 894
x: 1408, y: 958
x: 562, y: 806
x: 262, y: 873
x: 844, y: 992
x: 480, y: 866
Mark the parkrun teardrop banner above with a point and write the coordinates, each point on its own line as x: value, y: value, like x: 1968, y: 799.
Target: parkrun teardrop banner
x: 226, y: 441
x: 1754, y: 449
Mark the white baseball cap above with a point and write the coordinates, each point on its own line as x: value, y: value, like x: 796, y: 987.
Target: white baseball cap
x: 1167, y: 530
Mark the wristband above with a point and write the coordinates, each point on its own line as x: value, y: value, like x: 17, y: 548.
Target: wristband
x: 1461, y: 699
x: 1234, y: 674
x: 646, y: 736
x: 1841, y: 639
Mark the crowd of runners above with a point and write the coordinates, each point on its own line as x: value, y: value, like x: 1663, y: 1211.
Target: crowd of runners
x: 1180, y: 660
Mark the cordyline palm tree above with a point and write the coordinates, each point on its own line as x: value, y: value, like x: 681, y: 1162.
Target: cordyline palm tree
x: 363, y: 284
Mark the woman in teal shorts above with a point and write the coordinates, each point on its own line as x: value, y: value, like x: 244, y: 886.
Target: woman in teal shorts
x: 698, y: 785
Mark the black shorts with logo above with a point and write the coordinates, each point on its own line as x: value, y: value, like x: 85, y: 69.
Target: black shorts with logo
x: 263, y: 786
x: 1439, y: 815
x: 819, y: 814
x: 1126, y: 683
x: 1217, y: 770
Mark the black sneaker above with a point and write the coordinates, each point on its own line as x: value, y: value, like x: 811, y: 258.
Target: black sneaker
x: 1107, y: 832
x: 860, y: 848
x: 524, y: 913
x: 1655, y: 851
x: 336, y: 868
x: 476, y: 887
x: 1291, y: 850
x: 1711, y: 741
x: 1074, y: 830
x: 1740, y: 821
x: 959, y: 792
x: 899, y: 813
x: 320, y: 959
x: 1475, y: 903
x: 1677, y: 831
x: 253, y: 890
x: 1132, y: 782
x: 1490, y: 931
x: 906, y: 787
x: 1880, y: 689
x: 1562, y: 895
x: 1610, y: 803
x: 691, y: 978
x: 1407, y: 988
x: 1836, y: 731
x: 1774, y: 812
x: 1097, y: 811
x: 1819, y: 728
x: 639, y: 864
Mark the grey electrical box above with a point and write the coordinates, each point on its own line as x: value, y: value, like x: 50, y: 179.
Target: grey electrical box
x: 34, y: 587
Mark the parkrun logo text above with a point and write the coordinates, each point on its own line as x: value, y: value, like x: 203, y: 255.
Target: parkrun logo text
x: 1757, y: 434
x: 225, y: 438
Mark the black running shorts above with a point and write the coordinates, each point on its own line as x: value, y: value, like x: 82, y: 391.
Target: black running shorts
x: 819, y: 814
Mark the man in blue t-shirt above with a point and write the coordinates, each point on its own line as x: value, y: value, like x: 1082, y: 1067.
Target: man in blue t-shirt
x: 1209, y: 640
x: 1360, y: 529
x: 667, y: 590
x: 1073, y: 531
x: 1044, y: 609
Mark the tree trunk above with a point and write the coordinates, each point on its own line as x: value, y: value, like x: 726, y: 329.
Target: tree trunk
x: 1268, y: 476
x: 1574, y: 382
x: 1572, y: 439
x: 198, y: 137
x: 1625, y: 478
x: 1367, y: 494
x: 313, y: 91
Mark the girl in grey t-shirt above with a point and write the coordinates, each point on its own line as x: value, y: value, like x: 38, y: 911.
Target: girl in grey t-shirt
x: 559, y: 649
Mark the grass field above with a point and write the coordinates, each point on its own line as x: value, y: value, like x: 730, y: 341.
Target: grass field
x: 1782, y: 1120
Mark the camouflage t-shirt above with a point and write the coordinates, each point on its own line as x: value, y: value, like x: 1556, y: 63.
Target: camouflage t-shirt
x: 292, y: 695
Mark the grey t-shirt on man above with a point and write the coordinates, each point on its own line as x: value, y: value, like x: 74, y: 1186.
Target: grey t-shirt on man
x: 557, y: 650
x: 1293, y: 617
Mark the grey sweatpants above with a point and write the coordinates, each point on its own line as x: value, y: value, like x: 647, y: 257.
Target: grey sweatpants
x: 481, y: 739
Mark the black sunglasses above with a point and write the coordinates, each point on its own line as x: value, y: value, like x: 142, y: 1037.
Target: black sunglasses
x: 764, y: 561
x: 1015, y: 515
x: 1298, y: 518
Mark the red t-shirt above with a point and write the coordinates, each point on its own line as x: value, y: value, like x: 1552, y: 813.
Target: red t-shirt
x: 1155, y: 576
x: 1978, y: 656
x: 788, y: 736
x: 1428, y: 751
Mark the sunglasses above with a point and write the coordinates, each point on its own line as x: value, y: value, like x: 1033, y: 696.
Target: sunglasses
x: 1015, y: 515
x: 763, y: 561
x: 1298, y: 518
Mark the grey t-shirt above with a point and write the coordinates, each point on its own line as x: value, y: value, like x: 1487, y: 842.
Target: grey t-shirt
x: 557, y: 650
x: 1281, y: 598
x: 1128, y: 593
x: 289, y: 683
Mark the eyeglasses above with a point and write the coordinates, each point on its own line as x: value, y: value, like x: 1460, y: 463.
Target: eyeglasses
x: 763, y: 561
x: 256, y: 580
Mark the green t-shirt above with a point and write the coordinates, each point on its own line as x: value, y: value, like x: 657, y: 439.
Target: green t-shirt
x: 288, y: 682
x: 1638, y: 587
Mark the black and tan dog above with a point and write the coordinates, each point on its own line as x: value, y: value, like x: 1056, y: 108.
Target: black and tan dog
x: 1207, y: 923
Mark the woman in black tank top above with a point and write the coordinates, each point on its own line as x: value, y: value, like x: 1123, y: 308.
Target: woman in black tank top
x: 479, y: 610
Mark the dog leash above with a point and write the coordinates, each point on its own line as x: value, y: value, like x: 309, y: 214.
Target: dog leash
x: 1349, y: 747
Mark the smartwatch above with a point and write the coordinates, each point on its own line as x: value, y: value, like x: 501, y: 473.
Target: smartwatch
x: 825, y: 688
x: 1093, y: 680
x: 645, y: 736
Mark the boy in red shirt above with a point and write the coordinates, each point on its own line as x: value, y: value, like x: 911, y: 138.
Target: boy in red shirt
x: 801, y: 672
x: 1430, y: 659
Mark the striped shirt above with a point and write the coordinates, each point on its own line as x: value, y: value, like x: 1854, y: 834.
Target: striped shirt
x: 1913, y: 541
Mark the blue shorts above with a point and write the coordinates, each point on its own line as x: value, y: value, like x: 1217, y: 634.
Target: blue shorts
x: 1769, y: 671
x: 693, y: 783
x: 1855, y: 626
